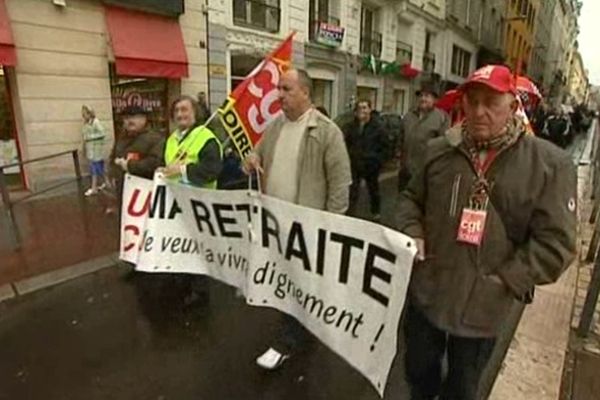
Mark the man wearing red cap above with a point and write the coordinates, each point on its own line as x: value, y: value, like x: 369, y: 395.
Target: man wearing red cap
x: 493, y: 212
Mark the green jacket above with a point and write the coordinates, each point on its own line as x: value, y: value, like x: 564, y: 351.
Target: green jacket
x: 530, y: 233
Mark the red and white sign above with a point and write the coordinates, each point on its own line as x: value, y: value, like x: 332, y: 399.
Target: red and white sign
x: 472, y: 226
x: 136, y: 204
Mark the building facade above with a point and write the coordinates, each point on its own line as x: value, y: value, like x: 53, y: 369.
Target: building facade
x: 473, y: 37
x: 578, y: 81
x: 78, y: 53
x: 541, y: 53
x: 521, y: 21
x: 375, y: 49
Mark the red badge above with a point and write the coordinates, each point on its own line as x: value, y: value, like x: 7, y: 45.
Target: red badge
x: 472, y: 226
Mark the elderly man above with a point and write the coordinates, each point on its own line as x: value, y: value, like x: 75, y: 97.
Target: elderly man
x: 493, y: 212
x: 304, y: 160
x: 418, y: 127
x: 139, y: 150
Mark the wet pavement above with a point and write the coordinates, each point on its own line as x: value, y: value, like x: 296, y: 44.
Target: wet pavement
x: 56, y: 232
x: 90, y: 339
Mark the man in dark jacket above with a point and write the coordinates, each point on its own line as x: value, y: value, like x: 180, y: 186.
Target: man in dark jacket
x: 138, y: 150
x: 493, y: 212
x: 365, y: 143
x: 418, y: 127
x: 557, y: 126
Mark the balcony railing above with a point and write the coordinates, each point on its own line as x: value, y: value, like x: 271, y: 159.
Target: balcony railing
x: 314, y: 25
x: 429, y: 62
x: 370, y: 43
x: 257, y: 14
x: 403, y: 53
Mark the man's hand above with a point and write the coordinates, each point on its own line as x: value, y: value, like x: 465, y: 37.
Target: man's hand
x: 252, y: 164
x: 172, y: 170
x: 420, y: 249
x: 121, y: 162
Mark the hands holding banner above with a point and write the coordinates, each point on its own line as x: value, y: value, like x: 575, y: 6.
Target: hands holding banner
x: 344, y: 279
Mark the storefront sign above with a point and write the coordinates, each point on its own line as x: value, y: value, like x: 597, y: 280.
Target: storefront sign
x: 217, y: 70
x: 330, y: 35
x: 149, y: 101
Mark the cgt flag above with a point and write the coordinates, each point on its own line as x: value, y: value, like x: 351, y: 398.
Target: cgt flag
x: 254, y: 103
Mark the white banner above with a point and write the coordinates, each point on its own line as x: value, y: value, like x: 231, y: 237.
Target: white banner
x: 344, y: 279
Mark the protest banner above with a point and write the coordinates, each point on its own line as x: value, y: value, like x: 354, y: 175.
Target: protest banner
x: 344, y: 279
x: 254, y: 102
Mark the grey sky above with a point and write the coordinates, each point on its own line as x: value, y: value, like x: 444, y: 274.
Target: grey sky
x: 589, y: 37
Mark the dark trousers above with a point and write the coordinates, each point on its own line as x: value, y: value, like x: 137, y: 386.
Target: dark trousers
x: 291, y: 336
x: 403, y: 179
x: 370, y: 173
x: 426, y: 346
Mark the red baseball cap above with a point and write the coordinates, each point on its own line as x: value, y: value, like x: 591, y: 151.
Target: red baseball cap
x: 497, y: 77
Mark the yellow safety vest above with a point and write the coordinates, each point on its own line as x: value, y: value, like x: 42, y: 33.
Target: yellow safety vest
x: 188, y: 149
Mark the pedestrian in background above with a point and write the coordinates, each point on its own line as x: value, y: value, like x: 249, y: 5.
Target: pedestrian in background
x: 365, y: 140
x: 557, y: 127
x: 94, y: 140
x: 418, y: 127
x: 304, y: 161
x: 493, y: 212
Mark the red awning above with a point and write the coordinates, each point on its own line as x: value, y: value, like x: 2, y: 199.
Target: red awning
x: 146, y: 44
x: 8, y: 55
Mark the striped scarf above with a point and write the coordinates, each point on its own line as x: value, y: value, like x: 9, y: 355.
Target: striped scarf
x: 511, y: 134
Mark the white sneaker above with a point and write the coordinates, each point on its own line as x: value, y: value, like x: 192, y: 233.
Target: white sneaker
x: 90, y: 192
x: 271, y: 359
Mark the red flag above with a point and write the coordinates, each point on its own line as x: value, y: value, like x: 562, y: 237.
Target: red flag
x: 254, y: 103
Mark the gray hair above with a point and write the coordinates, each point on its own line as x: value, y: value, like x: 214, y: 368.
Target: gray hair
x: 305, y: 80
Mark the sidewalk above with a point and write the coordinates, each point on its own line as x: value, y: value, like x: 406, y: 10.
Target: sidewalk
x: 533, y: 367
x: 56, y: 232
x: 581, y: 368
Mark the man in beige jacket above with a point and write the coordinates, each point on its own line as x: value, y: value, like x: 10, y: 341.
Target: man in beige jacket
x: 302, y: 159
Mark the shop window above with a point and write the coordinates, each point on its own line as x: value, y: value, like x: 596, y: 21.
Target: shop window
x: 9, y: 147
x: 152, y: 94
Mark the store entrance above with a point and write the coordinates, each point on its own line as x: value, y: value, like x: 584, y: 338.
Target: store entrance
x: 152, y: 94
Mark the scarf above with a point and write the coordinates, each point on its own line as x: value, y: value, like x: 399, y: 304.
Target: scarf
x: 481, y: 186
